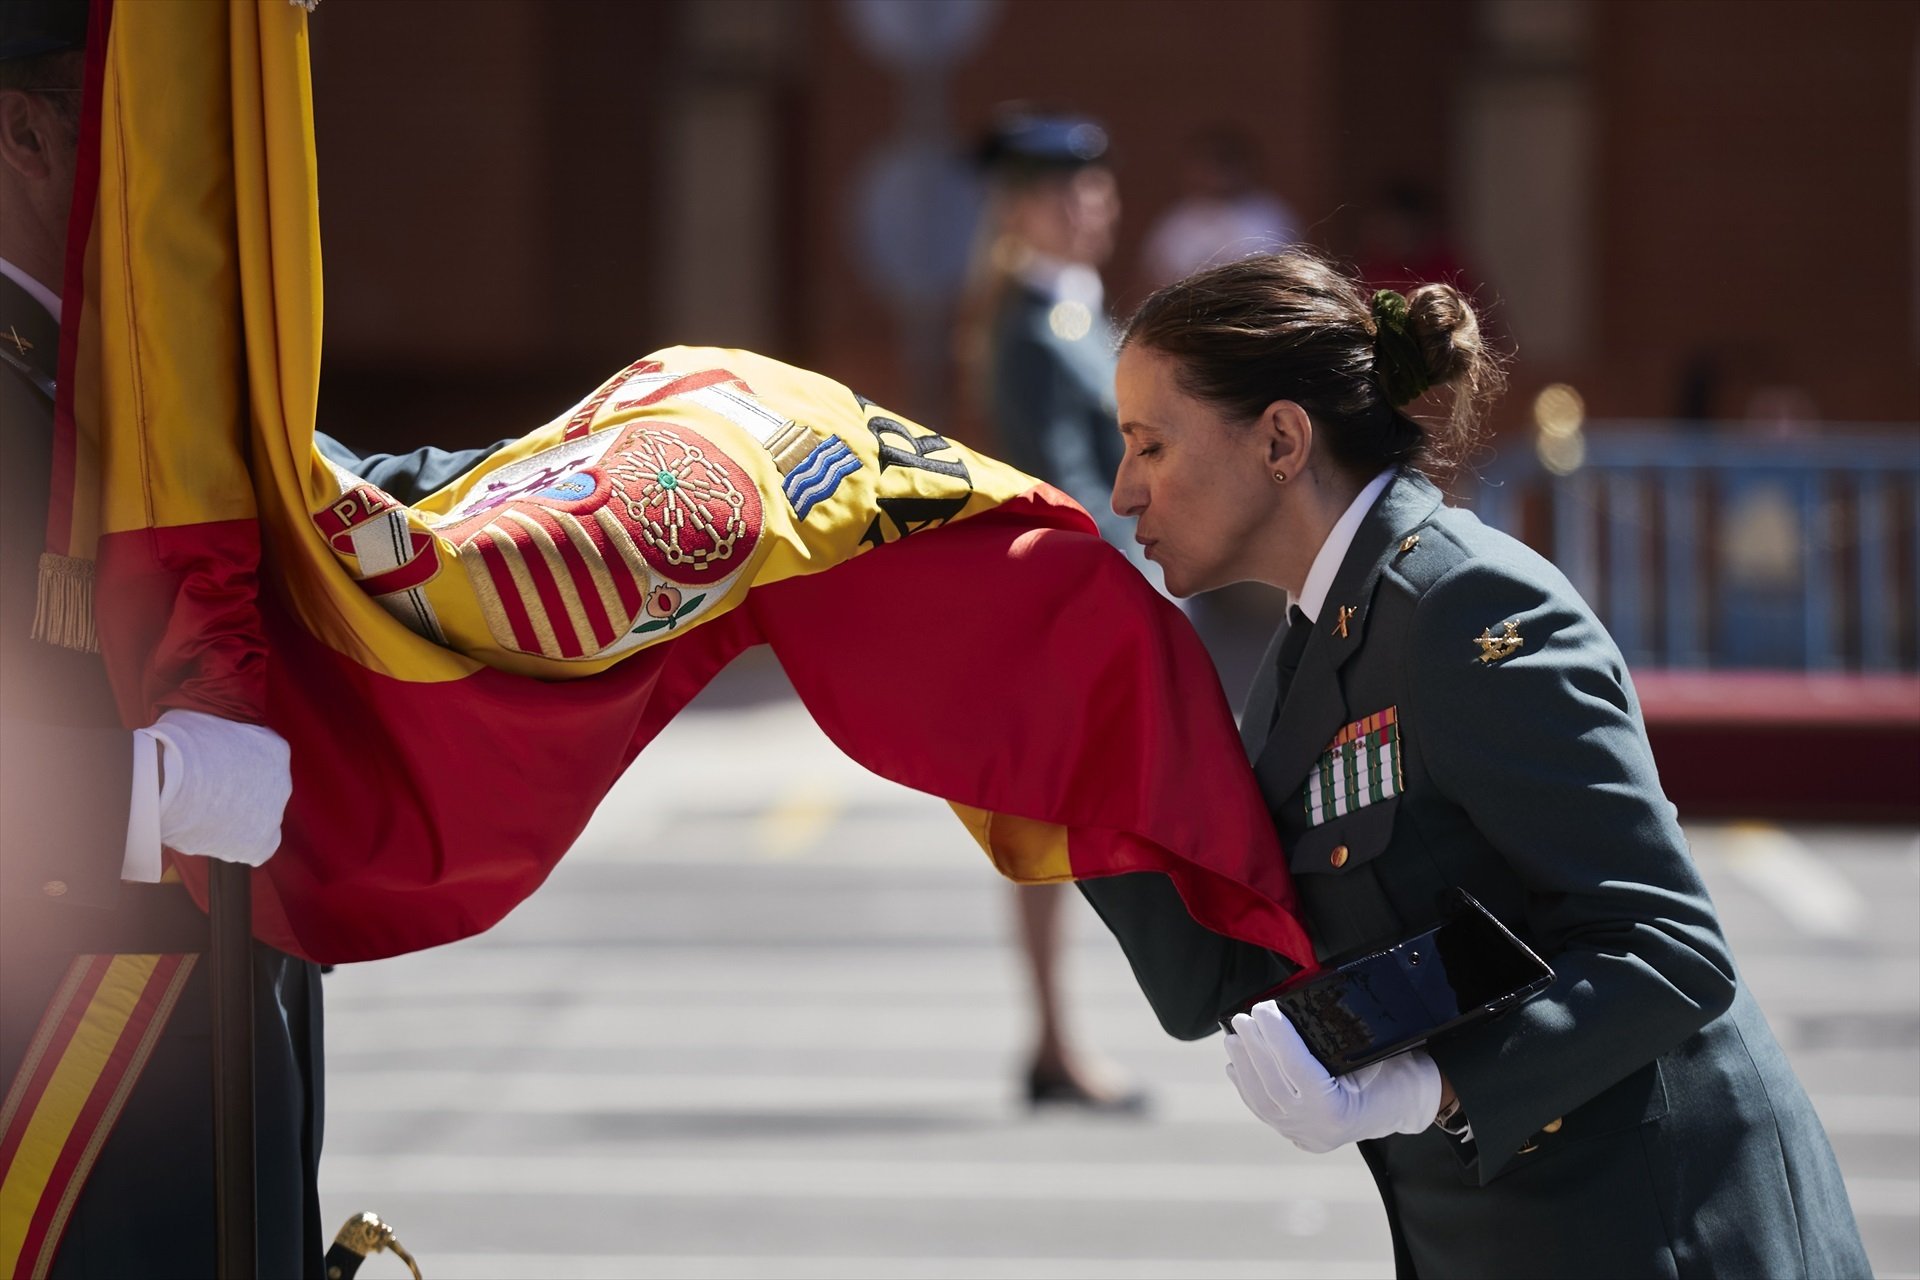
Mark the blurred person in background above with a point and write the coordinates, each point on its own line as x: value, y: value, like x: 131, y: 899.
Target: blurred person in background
x: 1404, y: 241
x: 1635, y: 1118
x: 1222, y: 215
x: 1036, y: 342
x: 106, y: 1053
x: 1038, y: 348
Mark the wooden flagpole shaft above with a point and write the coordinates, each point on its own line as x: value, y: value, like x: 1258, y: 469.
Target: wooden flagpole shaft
x: 230, y: 974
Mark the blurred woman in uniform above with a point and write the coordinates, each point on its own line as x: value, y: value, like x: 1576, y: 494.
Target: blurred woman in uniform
x: 1038, y: 347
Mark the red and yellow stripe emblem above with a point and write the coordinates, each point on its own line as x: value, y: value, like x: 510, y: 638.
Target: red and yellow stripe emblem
x: 95, y: 1038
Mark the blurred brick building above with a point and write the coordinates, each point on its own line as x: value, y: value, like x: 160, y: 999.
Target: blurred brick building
x: 1696, y: 207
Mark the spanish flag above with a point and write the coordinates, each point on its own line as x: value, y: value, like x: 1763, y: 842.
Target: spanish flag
x: 463, y: 679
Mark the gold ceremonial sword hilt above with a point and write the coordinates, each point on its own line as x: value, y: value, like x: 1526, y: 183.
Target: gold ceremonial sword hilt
x: 364, y: 1234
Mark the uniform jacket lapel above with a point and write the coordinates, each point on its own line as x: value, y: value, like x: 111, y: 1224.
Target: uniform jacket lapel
x: 1256, y: 714
x: 1316, y: 707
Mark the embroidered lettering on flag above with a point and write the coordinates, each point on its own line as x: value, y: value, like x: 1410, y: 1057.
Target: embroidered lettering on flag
x: 1360, y: 767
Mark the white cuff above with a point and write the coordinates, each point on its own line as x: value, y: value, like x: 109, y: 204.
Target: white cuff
x: 141, y: 862
x: 1426, y: 1092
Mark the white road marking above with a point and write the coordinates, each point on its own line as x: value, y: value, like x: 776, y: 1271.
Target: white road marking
x: 1791, y: 877
x: 981, y: 1096
x: 793, y: 824
x: 785, y: 1266
x: 1334, y: 1181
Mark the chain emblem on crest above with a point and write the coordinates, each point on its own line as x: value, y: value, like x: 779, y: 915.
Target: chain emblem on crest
x: 686, y: 505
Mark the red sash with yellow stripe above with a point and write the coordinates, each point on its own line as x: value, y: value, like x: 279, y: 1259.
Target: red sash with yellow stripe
x: 81, y: 1066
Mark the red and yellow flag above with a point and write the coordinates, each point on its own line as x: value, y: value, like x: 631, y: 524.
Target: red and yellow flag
x: 464, y: 678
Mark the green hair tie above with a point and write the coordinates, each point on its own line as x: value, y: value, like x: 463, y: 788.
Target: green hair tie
x: 1397, y: 359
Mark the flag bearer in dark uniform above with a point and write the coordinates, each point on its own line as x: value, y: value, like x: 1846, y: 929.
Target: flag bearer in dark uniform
x: 1443, y: 710
x: 106, y: 1147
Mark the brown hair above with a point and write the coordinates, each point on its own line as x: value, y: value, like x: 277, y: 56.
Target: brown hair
x: 1291, y: 326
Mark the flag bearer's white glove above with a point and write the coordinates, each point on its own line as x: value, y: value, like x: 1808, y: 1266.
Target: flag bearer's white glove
x: 1284, y: 1084
x: 225, y: 786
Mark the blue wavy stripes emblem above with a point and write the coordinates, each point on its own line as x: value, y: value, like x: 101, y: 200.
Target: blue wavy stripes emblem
x: 819, y: 474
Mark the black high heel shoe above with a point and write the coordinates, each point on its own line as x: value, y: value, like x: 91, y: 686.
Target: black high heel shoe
x: 1046, y: 1090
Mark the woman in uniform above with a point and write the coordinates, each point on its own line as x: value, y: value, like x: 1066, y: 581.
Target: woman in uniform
x: 1638, y: 1117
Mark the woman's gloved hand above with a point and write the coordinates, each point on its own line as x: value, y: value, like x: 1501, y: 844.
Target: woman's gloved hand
x: 1284, y: 1084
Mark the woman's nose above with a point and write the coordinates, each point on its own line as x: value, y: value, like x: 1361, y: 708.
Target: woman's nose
x: 1129, y: 498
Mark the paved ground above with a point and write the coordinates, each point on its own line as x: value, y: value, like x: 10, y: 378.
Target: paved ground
x: 773, y: 1033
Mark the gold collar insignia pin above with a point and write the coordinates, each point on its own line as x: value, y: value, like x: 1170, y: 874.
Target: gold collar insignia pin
x: 1493, y: 648
x: 20, y: 344
x: 1346, y: 615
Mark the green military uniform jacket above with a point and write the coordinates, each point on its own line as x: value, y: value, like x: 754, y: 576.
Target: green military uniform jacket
x: 1636, y: 1119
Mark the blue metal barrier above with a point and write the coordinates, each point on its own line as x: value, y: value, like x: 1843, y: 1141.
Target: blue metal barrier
x: 1724, y: 547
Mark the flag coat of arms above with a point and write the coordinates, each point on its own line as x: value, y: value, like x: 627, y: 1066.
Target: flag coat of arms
x: 461, y: 679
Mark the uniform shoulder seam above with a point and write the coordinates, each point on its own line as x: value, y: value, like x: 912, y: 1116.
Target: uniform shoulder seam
x: 1417, y: 574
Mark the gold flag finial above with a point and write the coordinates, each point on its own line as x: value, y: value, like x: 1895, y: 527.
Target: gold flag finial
x: 362, y: 1235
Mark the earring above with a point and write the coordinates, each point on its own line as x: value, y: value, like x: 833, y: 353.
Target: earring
x: 1279, y: 477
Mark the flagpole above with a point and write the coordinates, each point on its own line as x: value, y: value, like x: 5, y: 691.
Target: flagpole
x: 230, y: 973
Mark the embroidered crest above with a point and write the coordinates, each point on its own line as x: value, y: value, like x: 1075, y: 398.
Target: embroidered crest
x: 665, y: 607
x: 1361, y: 766
x: 580, y: 421
x: 529, y: 475
x: 593, y: 561
x: 1493, y: 648
x: 694, y: 511
x: 816, y: 478
x: 392, y: 560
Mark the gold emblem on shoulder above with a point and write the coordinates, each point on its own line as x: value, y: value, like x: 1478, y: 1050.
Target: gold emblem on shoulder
x: 1412, y: 540
x: 1493, y: 648
x: 1346, y: 615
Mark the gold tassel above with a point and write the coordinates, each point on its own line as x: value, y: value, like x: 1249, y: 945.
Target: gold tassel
x: 63, y: 614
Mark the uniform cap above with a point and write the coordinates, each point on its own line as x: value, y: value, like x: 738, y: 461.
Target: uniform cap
x: 1031, y: 141
x: 30, y: 28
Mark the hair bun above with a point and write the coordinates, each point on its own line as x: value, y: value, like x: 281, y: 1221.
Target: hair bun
x: 1446, y: 332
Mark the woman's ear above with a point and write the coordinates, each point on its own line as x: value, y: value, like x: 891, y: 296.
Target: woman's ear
x: 1287, y: 433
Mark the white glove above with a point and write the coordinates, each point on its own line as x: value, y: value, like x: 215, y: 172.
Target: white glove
x: 225, y: 786
x: 1284, y: 1084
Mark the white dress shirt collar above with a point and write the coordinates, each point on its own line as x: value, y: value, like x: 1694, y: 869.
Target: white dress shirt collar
x: 1326, y: 563
x: 35, y: 290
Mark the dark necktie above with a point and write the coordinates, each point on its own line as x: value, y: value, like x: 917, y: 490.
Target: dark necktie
x: 1299, y: 631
